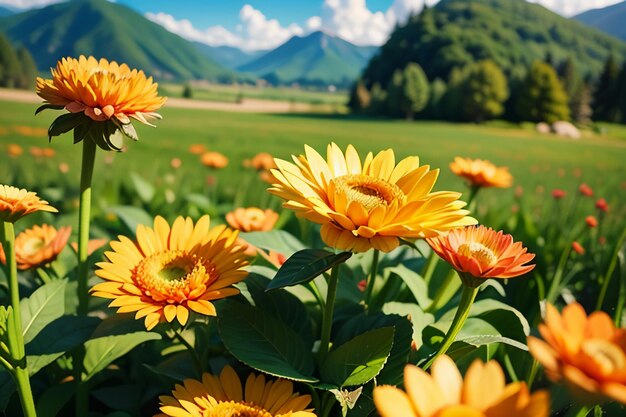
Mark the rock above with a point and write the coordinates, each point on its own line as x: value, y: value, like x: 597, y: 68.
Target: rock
x: 566, y: 129
x: 543, y: 127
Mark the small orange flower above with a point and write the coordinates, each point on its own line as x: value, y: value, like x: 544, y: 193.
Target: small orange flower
x: 14, y: 150
x: 591, y: 221
x: 64, y: 168
x: 588, y: 353
x: 169, y: 271
x: 558, y: 194
x: 602, y: 205
x: 252, y: 219
x: 176, y: 163
x: 482, y: 173
x: 213, y: 159
x: 16, y: 203
x: 197, y: 149
x: 585, y: 190
x: 578, y: 248
x: 444, y: 393
x: 48, y: 152
x: 36, y: 151
x: 478, y: 253
x: 261, y: 162
x: 38, y: 246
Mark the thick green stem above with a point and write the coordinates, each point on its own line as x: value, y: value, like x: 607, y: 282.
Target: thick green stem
x: 194, y: 356
x: 16, y: 340
x: 84, y: 216
x: 371, y: 279
x: 442, y: 291
x: 327, y: 319
x: 467, y: 299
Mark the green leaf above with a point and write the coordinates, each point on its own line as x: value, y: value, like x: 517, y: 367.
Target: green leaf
x: 48, y: 106
x: 82, y: 130
x: 305, y: 265
x: 144, y: 189
x: 359, y: 360
x: 52, y: 401
x: 414, y: 282
x: 132, y: 217
x: 418, y: 317
x: 64, y: 123
x: 124, y: 397
x: 504, y: 317
x: 177, y: 366
x: 276, y: 240
x: 264, y: 343
x: 100, y: 351
x: 7, y: 388
x: 481, y: 340
x: 43, y: 307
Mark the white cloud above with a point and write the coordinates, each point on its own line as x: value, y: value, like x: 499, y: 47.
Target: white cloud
x: 27, y: 4
x: 573, y: 7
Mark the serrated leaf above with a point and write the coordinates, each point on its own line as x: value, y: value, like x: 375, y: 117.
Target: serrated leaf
x: 43, y: 307
x: 132, y: 216
x: 358, y: 361
x: 264, y: 343
x: 305, y: 265
x: 276, y: 240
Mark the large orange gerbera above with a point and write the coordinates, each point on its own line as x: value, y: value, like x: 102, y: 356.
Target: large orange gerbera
x: 370, y: 204
x: 171, y: 270
x: 587, y: 352
x: 38, y: 246
x: 482, y: 173
x: 225, y: 396
x: 102, y: 91
x: 16, y: 203
x: 479, y: 252
x: 252, y: 219
x: 444, y: 393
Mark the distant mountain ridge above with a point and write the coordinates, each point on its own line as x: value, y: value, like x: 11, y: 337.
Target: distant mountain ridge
x: 315, y: 59
x: 105, y: 29
x: 611, y: 19
x: 227, y: 56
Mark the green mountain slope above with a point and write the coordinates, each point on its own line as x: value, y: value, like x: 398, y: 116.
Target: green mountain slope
x: 609, y: 19
x: 104, y: 29
x: 513, y: 33
x: 316, y: 59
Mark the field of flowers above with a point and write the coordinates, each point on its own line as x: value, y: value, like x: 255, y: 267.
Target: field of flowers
x: 207, y: 272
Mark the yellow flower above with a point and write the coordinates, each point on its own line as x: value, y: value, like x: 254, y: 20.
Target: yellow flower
x: 370, y: 204
x: 224, y: 396
x: 102, y: 91
x: 168, y: 271
x: 587, y: 352
x: 482, y: 253
x: 252, y: 219
x: 16, y: 203
x: 481, y: 173
x: 444, y: 393
x: 38, y: 246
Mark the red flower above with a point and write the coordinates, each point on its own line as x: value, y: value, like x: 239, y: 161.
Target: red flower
x: 585, y: 190
x: 558, y: 194
x: 602, y: 205
x: 591, y: 221
x: 578, y: 248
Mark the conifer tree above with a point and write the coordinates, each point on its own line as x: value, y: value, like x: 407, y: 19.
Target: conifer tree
x: 9, y: 65
x: 606, y: 97
x: 28, y: 70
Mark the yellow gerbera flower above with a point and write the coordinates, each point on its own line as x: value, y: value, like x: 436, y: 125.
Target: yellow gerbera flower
x: 480, y: 173
x: 224, y: 396
x: 370, y: 204
x: 168, y: 271
x: 444, y: 393
x: 16, y: 203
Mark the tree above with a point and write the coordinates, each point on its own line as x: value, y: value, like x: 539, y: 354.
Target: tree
x: 606, y: 97
x: 408, y: 91
x: 28, y: 69
x: 484, y: 92
x: 580, y: 105
x: 378, y: 102
x: 542, y: 98
x: 622, y: 93
x: 360, y: 97
x: 434, y: 110
x: 187, y: 91
x: 9, y: 65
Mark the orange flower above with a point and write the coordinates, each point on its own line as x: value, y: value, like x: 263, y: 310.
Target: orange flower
x: 36, y: 151
x: 16, y: 203
x: 48, y: 152
x: 558, y: 194
x: 92, y: 246
x: 171, y: 270
x: 38, y: 246
x: 197, y: 149
x: 602, y: 205
x: 585, y: 190
x: 14, y: 150
x: 481, y: 173
x: 176, y: 163
x: 578, y: 248
x: 252, y: 219
x: 261, y: 162
x: 213, y: 159
x: 479, y: 253
x: 225, y: 396
x: 444, y: 393
x: 591, y: 221
x: 588, y: 353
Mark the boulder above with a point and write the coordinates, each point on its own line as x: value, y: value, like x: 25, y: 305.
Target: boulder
x: 543, y: 127
x: 566, y: 129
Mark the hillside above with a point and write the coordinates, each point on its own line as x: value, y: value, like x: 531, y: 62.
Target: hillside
x: 513, y: 33
x: 4, y: 11
x: 104, y: 29
x: 316, y: 59
x: 227, y: 56
x: 608, y: 19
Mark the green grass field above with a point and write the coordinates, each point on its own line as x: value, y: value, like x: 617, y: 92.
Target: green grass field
x: 538, y: 162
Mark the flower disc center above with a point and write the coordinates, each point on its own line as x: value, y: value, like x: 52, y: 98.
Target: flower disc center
x: 608, y: 357
x: 478, y: 251
x: 370, y: 192
x: 236, y: 409
x: 32, y: 246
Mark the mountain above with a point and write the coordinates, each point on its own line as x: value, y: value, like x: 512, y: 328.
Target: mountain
x: 513, y: 33
x: 105, y: 29
x: 4, y: 11
x: 608, y: 19
x: 316, y: 59
x: 227, y: 56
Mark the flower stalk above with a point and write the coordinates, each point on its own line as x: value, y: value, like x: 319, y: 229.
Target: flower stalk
x: 371, y: 279
x: 327, y: 319
x: 84, y: 216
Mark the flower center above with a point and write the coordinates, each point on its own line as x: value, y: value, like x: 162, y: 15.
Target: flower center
x: 236, y: 409
x: 31, y: 246
x: 370, y: 192
x: 478, y: 251
x: 608, y: 357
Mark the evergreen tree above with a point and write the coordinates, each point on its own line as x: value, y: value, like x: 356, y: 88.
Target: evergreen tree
x: 580, y: 105
x: 378, y: 102
x: 452, y: 99
x: 484, y: 90
x: 606, y: 97
x: 394, y: 94
x: 28, y: 69
x: 187, y: 91
x: 409, y: 91
x: 622, y: 93
x: 360, y: 97
x: 434, y: 109
x: 542, y: 98
x: 9, y: 65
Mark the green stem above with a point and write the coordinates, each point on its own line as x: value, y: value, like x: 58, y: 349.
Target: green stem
x: 84, y: 215
x: 467, y: 299
x: 556, y: 280
x: 609, y: 271
x: 578, y: 411
x: 472, y: 195
x: 327, y: 319
x: 192, y: 352
x: 532, y: 373
x: 371, y: 279
x: 429, y: 267
x: 316, y: 293
x: 441, y: 292
x: 45, y: 277
x: 16, y: 341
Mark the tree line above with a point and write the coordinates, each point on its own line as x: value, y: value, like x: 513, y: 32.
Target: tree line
x: 549, y: 92
x: 17, y: 67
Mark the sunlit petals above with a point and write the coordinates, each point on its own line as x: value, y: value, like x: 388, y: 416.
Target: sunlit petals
x: 252, y: 219
x: 16, y: 203
x: 38, y: 246
x: 480, y: 173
